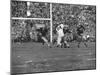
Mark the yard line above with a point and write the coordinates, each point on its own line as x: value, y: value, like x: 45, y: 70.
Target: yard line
x: 92, y: 59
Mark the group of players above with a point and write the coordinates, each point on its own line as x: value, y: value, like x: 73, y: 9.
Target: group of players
x: 41, y: 34
x: 61, y: 30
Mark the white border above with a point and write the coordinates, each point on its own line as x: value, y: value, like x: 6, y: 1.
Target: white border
x: 5, y: 37
x: 85, y: 2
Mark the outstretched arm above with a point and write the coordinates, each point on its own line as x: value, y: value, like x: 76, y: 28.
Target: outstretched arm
x: 66, y: 26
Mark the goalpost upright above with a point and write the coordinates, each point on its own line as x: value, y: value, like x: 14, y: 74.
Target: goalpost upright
x: 51, y: 26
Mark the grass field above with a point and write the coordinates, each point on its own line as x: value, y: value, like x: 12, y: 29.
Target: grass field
x: 35, y: 57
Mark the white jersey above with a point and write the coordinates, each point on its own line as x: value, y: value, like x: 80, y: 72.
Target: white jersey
x: 59, y: 30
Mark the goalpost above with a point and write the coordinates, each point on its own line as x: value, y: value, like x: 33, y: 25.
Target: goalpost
x: 50, y: 19
x: 51, y: 30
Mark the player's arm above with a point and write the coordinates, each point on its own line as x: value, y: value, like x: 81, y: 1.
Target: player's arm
x: 66, y: 26
x: 57, y: 28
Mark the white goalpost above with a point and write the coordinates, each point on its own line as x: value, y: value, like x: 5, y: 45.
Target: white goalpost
x: 51, y: 30
x: 50, y: 19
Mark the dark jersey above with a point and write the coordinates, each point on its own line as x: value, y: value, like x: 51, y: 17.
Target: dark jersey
x: 66, y: 31
x: 42, y: 32
x: 80, y: 30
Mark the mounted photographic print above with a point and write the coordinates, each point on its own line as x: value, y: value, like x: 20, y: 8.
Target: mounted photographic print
x: 52, y: 37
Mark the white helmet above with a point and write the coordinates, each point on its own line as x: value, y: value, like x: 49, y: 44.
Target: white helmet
x: 61, y: 25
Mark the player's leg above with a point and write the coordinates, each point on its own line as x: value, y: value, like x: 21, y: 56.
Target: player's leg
x: 65, y: 43
x: 85, y: 44
x: 79, y: 39
x: 45, y: 40
x: 58, y: 41
x: 78, y: 44
x: 85, y: 40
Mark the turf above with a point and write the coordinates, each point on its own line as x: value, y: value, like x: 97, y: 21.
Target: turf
x: 35, y: 57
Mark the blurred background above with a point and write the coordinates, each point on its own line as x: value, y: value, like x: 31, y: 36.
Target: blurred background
x: 67, y: 14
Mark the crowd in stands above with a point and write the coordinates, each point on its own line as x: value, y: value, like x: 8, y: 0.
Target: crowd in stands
x: 67, y: 14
